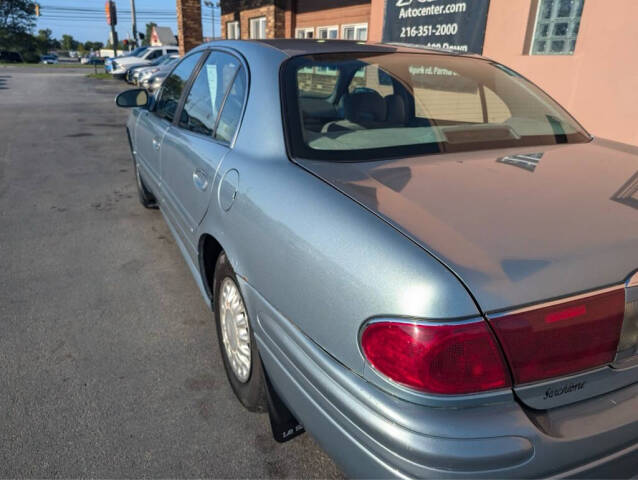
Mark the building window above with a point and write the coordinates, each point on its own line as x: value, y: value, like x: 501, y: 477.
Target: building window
x: 258, y: 27
x: 304, y: 33
x: 232, y: 30
x: 556, y: 29
x: 328, y: 32
x: 355, y: 32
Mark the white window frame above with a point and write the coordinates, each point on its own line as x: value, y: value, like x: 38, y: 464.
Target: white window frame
x: 257, y: 20
x: 305, y: 32
x: 236, y: 30
x: 328, y: 29
x: 570, y: 36
x: 356, y: 27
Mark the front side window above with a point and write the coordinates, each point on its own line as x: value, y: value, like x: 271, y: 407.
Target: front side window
x: 232, y: 30
x: 154, y: 54
x: 258, y: 28
x: 207, y: 94
x: 173, y: 87
x: 402, y: 104
x: 556, y: 28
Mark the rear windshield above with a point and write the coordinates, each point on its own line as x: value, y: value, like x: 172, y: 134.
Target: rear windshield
x: 361, y: 107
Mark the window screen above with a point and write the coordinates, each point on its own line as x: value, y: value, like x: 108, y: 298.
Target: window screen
x: 557, y: 25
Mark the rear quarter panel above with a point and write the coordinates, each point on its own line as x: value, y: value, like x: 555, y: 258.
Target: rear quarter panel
x: 320, y: 259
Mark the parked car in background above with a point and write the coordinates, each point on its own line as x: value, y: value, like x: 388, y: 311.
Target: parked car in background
x: 7, y: 56
x: 95, y: 61
x: 155, y: 80
x: 108, y: 61
x: 416, y: 255
x: 49, y: 59
x: 120, y: 66
x: 143, y: 74
x: 134, y: 71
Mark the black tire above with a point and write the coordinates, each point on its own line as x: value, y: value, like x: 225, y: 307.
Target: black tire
x: 252, y: 392
x: 147, y: 199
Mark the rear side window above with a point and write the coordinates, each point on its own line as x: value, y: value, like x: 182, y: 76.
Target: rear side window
x: 231, y: 114
x: 207, y: 94
x: 173, y: 86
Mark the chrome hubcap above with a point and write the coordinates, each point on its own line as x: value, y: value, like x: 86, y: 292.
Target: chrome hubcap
x: 235, y: 329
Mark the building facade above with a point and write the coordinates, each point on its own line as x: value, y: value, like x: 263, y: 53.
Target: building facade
x: 328, y: 19
x: 579, y: 51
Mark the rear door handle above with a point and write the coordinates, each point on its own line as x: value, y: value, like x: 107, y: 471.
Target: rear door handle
x: 200, y: 179
x: 156, y: 143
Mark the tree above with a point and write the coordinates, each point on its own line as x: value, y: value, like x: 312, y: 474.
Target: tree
x: 16, y: 16
x: 88, y: 46
x: 45, y: 41
x: 68, y: 43
x: 120, y: 46
x: 149, y: 32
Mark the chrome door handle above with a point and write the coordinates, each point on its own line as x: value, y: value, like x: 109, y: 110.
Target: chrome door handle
x: 200, y: 179
x: 156, y: 143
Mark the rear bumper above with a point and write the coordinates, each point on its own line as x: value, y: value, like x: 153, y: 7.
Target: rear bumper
x: 375, y: 435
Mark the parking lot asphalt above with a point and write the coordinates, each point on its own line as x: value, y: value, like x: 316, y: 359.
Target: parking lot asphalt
x: 109, y: 365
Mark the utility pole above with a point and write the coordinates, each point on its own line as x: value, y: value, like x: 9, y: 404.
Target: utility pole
x: 134, y: 23
x: 212, y: 6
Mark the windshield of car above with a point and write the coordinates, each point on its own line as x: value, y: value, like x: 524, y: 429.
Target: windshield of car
x: 169, y: 59
x: 379, y: 105
x: 160, y: 60
x: 139, y: 51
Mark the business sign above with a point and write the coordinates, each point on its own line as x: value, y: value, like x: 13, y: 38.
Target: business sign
x: 111, y: 13
x: 450, y: 24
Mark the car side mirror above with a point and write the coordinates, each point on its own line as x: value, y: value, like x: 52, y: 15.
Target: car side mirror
x: 137, y: 97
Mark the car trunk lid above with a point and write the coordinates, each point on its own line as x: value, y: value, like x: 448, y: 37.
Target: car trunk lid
x: 517, y: 226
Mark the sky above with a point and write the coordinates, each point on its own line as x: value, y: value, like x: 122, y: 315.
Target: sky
x: 85, y: 20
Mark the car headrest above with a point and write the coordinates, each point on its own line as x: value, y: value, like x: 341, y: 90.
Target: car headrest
x: 396, y: 108
x: 366, y: 106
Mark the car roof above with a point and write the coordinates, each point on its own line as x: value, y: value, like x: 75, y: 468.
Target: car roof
x: 292, y: 47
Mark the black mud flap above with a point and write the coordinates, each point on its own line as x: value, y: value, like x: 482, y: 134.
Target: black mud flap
x: 283, y: 423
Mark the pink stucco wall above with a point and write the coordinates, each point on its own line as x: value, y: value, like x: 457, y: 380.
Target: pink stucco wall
x: 598, y: 84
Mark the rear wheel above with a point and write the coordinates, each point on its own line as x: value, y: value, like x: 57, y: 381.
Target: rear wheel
x: 147, y: 199
x: 236, y: 340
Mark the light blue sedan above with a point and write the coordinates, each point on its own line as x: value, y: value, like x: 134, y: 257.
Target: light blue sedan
x: 417, y: 256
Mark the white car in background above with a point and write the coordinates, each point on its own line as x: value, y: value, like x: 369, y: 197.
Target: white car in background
x: 120, y: 66
x: 49, y: 59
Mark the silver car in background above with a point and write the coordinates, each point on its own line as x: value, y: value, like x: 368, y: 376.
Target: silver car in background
x: 152, y: 79
x: 417, y: 256
x: 135, y: 73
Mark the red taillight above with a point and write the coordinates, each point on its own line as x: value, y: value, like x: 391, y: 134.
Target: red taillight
x: 563, y: 338
x: 442, y: 359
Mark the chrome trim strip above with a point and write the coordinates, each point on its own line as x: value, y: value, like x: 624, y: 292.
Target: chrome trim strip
x: 552, y: 303
x: 632, y: 281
